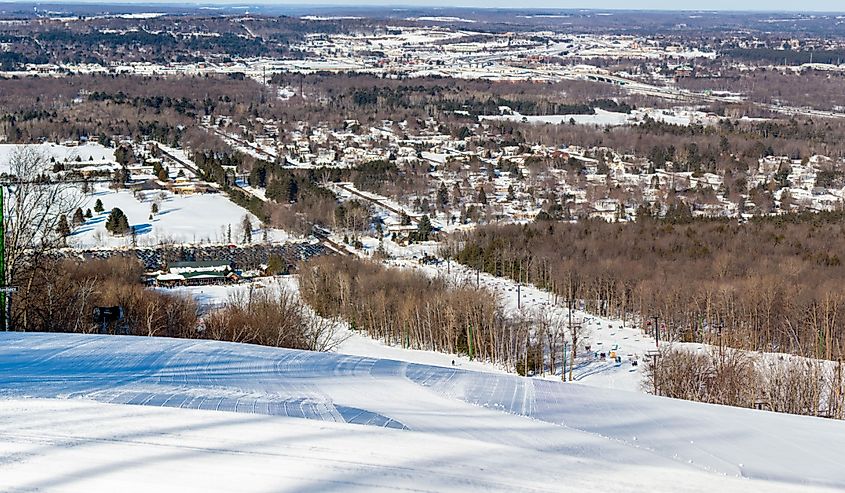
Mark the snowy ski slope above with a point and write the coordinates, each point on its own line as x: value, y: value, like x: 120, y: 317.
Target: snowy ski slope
x: 451, y: 429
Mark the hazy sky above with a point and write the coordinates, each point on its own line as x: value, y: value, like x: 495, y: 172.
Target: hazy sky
x: 709, y: 5
x: 769, y: 5
x: 817, y: 5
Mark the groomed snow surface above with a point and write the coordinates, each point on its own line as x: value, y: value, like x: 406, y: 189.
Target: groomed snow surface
x: 114, y: 413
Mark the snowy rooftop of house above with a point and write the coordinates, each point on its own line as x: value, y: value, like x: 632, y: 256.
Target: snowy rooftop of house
x: 203, y: 266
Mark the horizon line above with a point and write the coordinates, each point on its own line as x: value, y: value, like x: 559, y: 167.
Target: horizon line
x: 328, y: 5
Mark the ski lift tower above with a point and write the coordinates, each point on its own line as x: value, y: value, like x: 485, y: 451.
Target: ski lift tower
x: 653, y: 354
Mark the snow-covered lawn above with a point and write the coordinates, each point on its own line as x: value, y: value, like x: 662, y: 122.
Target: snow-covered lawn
x: 678, y: 116
x: 66, y: 424
x: 201, y: 218
x: 88, y: 155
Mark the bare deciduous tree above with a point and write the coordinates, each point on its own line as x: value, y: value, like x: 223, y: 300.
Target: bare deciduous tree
x: 33, y: 207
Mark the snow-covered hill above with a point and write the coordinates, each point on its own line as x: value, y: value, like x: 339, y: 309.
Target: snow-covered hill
x: 65, y: 426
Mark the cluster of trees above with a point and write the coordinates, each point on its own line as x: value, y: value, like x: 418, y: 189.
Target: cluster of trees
x: 296, y: 200
x: 410, y: 309
x: 482, y: 97
x: 771, y: 284
x: 787, y: 56
x: 60, y: 296
x: 272, y: 316
x: 117, y: 222
x: 341, y: 96
x: 738, y: 378
x: 162, y: 108
x: 815, y: 89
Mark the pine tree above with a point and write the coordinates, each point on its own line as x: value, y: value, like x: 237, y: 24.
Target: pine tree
x: 229, y: 234
x: 119, y: 179
x: 424, y: 228
x: 88, y: 213
x: 247, y: 227
x: 98, y: 206
x: 64, y: 228
x: 276, y: 265
x: 481, y: 198
x: 442, y: 195
x: 154, y: 208
x: 117, y: 223
x: 78, y: 217
x: 292, y: 190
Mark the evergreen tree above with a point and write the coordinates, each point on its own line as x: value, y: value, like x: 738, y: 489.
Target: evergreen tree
x: 481, y: 198
x: 247, y: 227
x: 292, y: 190
x: 117, y: 223
x: 229, y: 234
x: 63, y: 228
x: 275, y: 266
x: 88, y: 213
x: 78, y: 217
x: 442, y: 195
x: 154, y: 208
x: 424, y: 228
x: 98, y: 206
x: 405, y: 220
x: 119, y: 179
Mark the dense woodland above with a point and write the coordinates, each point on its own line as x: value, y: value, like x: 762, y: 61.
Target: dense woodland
x: 59, y: 296
x: 413, y: 310
x: 811, y: 88
x: 739, y: 378
x: 163, y: 108
x: 773, y: 284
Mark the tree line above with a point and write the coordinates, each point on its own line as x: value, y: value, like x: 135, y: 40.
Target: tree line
x: 411, y: 309
x: 771, y: 284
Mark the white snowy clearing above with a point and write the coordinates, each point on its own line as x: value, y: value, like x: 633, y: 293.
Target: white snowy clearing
x: 677, y: 116
x: 112, y: 413
x: 87, y: 155
x: 199, y: 218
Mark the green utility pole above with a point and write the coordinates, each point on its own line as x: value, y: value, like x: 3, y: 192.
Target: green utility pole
x: 3, y: 260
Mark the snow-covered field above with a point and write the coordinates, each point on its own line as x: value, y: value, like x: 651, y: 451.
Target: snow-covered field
x: 105, y: 413
x: 92, y: 154
x: 201, y: 218
x: 609, y: 118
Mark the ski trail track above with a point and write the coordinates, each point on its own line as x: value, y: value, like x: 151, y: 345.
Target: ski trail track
x: 539, y: 416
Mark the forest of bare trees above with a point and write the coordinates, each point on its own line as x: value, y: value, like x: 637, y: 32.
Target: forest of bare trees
x: 771, y: 285
x: 410, y: 309
x: 272, y: 316
x: 63, y: 294
x: 787, y: 384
